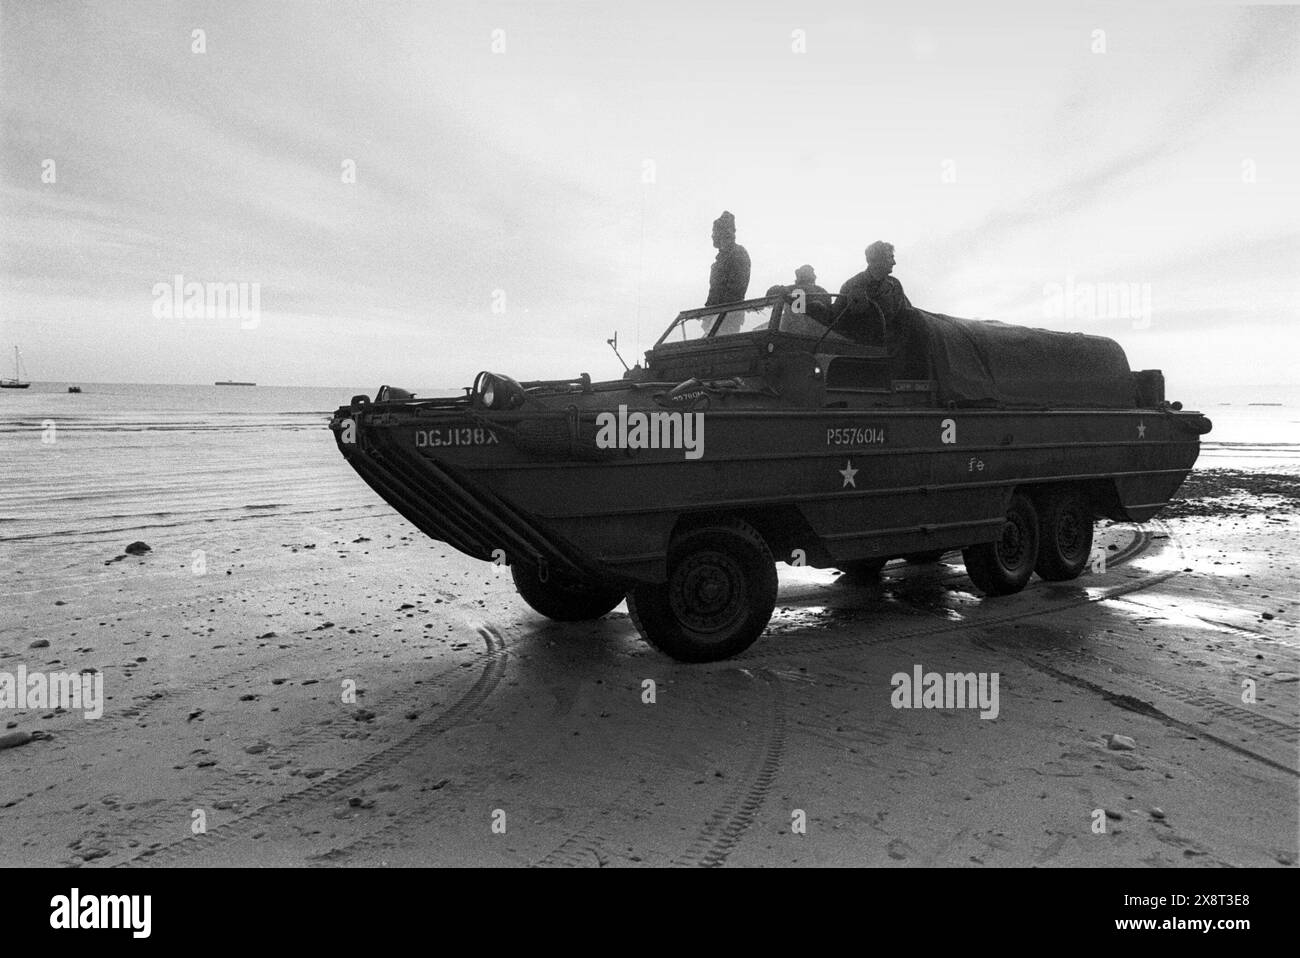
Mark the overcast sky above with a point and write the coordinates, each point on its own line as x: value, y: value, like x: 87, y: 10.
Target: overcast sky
x: 570, y: 176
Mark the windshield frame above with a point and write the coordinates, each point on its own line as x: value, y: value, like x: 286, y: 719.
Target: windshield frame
x: 721, y: 310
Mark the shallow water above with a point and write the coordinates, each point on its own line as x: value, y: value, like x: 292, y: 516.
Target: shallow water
x: 118, y: 461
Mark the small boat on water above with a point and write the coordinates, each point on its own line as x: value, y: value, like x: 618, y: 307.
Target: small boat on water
x: 74, y: 389
x: 16, y: 382
x: 231, y: 382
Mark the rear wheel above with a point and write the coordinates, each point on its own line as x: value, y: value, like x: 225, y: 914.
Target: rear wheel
x: 564, y: 601
x: 1005, y: 565
x: 1066, y: 521
x: 719, y: 596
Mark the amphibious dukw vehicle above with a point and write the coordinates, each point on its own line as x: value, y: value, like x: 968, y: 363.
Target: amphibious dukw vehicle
x: 761, y: 431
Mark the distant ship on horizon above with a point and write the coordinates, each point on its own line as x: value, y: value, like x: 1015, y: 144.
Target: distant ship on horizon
x: 231, y: 382
x: 16, y: 382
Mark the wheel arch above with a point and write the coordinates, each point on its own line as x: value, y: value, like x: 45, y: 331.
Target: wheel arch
x: 783, y: 528
x: 1100, y: 495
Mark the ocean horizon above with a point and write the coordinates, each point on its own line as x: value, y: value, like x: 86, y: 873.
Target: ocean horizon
x: 123, y: 461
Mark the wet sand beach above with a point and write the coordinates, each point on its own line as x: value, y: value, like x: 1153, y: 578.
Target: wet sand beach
x: 951, y: 275
x: 227, y: 705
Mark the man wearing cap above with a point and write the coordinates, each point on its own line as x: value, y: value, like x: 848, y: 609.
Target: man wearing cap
x: 805, y: 278
x: 806, y: 308
x: 729, y: 275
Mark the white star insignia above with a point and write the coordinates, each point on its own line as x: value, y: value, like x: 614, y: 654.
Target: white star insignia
x: 848, y: 472
x: 1142, y: 430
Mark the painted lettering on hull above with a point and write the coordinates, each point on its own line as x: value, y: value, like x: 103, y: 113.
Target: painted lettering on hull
x: 455, y: 436
x: 855, y: 436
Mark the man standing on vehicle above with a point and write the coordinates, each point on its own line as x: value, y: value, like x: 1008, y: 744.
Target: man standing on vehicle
x: 872, y: 298
x: 729, y: 275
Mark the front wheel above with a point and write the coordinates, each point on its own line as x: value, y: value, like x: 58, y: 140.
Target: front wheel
x: 719, y: 596
x: 563, y: 601
x: 1005, y: 565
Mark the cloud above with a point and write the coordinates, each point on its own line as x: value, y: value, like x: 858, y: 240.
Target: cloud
x: 522, y: 173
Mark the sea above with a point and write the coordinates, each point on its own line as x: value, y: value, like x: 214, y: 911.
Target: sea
x: 119, y: 462
x: 84, y: 474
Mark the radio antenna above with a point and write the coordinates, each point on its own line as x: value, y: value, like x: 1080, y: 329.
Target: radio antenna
x: 613, y: 344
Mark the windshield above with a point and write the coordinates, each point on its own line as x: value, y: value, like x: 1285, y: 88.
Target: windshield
x: 809, y: 315
x: 695, y: 324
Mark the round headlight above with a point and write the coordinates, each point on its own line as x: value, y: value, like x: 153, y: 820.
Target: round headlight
x: 494, y: 391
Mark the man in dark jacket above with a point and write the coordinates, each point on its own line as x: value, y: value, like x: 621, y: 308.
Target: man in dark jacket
x: 809, y: 305
x: 805, y: 278
x: 872, y: 298
x: 729, y: 275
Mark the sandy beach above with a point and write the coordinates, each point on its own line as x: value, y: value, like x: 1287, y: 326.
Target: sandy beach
x: 228, y: 737
x: 287, y: 290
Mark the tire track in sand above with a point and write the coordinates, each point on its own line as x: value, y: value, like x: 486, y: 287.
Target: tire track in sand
x: 729, y: 821
x: 245, y: 825
x: 141, y: 703
x: 732, y: 818
x: 1131, y: 703
x: 727, y: 824
x: 223, y: 782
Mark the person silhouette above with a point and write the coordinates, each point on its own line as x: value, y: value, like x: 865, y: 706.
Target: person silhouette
x: 808, y: 305
x: 729, y: 275
x: 872, y: 298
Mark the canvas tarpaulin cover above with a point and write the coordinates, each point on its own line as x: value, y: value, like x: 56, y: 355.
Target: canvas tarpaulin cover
x: 985, y: 363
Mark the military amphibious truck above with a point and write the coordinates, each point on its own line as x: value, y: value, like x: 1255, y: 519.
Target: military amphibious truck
x: 757, y: 432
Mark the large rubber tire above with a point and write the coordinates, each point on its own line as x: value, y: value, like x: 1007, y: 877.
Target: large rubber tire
x: 719, y: 596
x: 1005, y: 565
x: 1065, y: 520
x: 564, y: 601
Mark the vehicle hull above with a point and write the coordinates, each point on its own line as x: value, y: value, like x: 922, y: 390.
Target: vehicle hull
x: 825, y: 487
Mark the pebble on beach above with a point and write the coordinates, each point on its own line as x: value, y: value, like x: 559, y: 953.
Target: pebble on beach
x: 14, y: 739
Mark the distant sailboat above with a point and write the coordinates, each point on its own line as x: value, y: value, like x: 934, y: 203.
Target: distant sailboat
x: 16, y: 382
